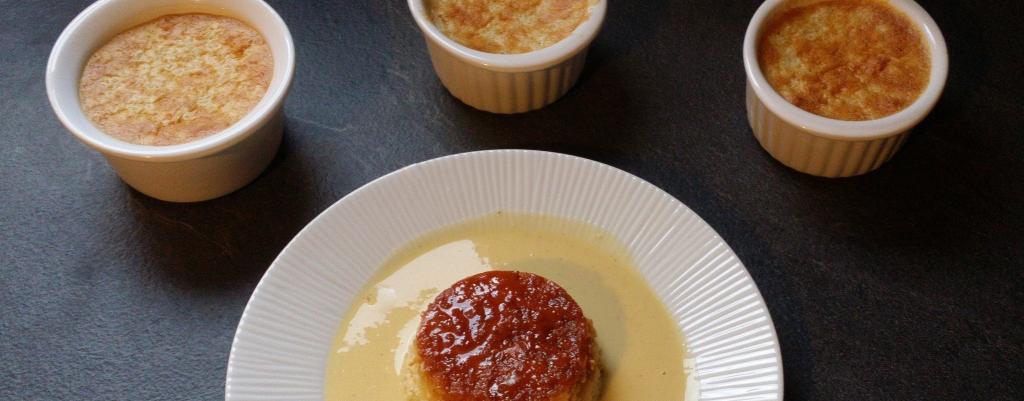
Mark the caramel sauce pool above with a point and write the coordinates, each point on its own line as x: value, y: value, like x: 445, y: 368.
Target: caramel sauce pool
x: 642, y: 352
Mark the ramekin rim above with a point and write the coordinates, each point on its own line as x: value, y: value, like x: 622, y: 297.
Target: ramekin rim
x: 579, y: 39
x: 240, y: 130
x: 851, y: 130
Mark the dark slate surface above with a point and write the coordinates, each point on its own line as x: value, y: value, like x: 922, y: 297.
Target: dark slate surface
x: 907, y: 283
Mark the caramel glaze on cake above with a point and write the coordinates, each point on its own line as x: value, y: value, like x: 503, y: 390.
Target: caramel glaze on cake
x: 506, y: 336
x: 844, y: 59
x: 176, y: 79
x: 507, y: 26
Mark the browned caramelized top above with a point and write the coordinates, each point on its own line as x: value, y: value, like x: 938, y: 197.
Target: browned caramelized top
x: 504, y: 335
x: 176, y: 79
x: 844, y: 59
x: 507, y: 26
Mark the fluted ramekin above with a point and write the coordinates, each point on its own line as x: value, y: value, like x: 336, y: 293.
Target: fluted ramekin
x: 509, y: 83
x: 827, y: 147
x: 194, y: 171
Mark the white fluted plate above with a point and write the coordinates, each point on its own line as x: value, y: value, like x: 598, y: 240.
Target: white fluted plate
x: 281, y: 347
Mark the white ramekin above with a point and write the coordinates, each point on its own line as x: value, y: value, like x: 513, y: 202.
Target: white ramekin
x: 509, y: 83
x: 199, y: 170
x: 827, y: 147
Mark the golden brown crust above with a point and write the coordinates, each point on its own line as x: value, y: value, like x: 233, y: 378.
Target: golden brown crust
x: 844, y: 59
x: 507, y: 26
x: 176, y: 79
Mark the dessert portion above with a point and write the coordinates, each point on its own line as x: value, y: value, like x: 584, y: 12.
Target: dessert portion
x: 503, y: 335
x: 507, y: 26
x: 176, y: 79
x: 490, y: 332
x: 844, y: 59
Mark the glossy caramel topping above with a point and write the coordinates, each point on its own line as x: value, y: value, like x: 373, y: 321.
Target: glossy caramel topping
x: 844, y: 59
x: 507, y: 336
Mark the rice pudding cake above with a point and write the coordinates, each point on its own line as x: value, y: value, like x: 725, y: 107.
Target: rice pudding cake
x: 504, y: 336
x: 844, y: 59
x: 176, y: 79
x: 507, y: 26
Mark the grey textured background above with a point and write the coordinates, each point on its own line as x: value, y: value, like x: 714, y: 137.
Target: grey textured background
x: 903, y: 284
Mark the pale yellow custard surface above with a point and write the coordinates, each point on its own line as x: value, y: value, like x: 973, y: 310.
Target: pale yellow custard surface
x: 844, y: 59
x: 642, y: 349
x: 507, y: 26
x: 176, y: 79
